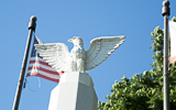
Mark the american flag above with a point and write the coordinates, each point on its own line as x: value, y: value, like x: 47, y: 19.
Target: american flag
x: 38, y: 67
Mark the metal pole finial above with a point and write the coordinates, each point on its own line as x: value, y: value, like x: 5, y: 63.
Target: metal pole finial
x: 166, y: 9
x: 32, y: 23
x: 33, y: 18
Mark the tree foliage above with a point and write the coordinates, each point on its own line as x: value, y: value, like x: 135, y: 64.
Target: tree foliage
x: 144, y: 91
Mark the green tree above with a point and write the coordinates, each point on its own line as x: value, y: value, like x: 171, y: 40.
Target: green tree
x: 144, y: 91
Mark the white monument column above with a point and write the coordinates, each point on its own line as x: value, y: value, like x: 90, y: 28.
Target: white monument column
x: 75, y: 91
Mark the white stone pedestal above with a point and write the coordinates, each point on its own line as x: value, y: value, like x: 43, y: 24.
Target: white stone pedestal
x: 75, y: 91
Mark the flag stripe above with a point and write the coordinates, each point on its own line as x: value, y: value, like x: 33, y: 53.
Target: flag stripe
x: 48, y: 78
x: 42, y: 69
x: 34, y: 71
x: 172, y: 59
x: 41, y: 64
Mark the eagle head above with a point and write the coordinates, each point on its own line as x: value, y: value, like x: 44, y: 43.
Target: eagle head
x: 76, y: 40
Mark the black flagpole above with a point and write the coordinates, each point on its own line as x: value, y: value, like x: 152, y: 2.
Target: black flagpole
x: 166, y: 13
x: 31, y: 28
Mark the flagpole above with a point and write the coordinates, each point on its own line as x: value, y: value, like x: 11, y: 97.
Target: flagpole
x: 165, y: 13
x: 31, y: 28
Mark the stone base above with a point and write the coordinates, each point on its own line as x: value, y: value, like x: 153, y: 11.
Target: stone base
x: 75, y: 91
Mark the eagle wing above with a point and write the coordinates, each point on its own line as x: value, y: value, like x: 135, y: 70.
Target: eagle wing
x: 100, y: 49
x: 55, y: 54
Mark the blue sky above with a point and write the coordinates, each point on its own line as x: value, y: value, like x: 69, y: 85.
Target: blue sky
x: 62, y: 19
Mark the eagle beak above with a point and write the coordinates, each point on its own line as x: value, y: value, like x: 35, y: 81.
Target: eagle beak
x: 70, y: 40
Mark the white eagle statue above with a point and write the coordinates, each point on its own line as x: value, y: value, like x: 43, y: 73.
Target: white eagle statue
x: 79, y: 60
